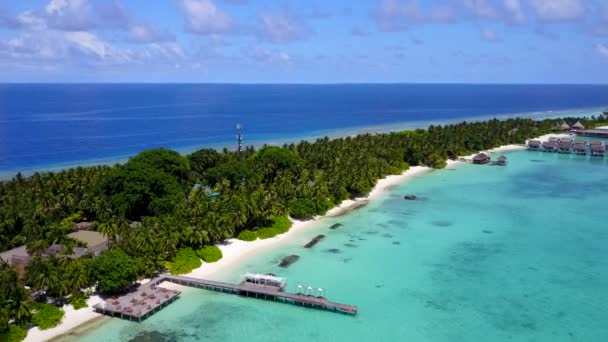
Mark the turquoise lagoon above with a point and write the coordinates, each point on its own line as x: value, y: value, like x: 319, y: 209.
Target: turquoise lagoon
x: 488, y: 253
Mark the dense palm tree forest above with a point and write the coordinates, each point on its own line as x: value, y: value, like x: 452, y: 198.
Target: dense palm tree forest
x: 160, y: 201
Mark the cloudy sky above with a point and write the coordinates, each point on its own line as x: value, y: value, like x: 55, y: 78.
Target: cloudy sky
x: 304, y: 41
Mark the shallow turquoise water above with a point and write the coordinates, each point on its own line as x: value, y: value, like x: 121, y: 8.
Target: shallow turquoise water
x: 514, y: 253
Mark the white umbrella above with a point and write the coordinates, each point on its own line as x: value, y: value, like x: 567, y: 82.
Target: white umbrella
x: 320, y: 291
x: 309, y: 289
x: 300, y: 287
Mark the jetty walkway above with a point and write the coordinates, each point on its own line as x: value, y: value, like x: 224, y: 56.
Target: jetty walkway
x: 150, y: 297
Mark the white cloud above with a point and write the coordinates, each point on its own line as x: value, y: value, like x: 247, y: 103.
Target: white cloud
x: 204, y: 17
x: 279, y: 28
x: 555, y: 10
x: 490, y: 35
x: 602, y: 49
x: 145, y: 33
x: 269, y: 56
x: 515, y: 12
x: 394, y: 15
x: 70, y: 15
x: 481, y: 8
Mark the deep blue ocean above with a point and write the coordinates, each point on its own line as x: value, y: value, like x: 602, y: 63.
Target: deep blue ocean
x: 46, y: 126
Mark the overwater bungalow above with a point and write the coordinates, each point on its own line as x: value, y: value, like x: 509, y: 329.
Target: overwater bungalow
x: 481, y: 158
x: 597, y: 148
x: 534, y: 145
x: 580, y: 147
x: 554, y: 139
x: 564, y: 146
x: 549, y: 146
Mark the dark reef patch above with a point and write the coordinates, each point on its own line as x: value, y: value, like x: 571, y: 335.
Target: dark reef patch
x: 336, y: 226
x: 314, y: 241
x: 289, y: 260
x: 350, y: 245
x: 486, y: 231
x: 396, y: 243
x: 387, y: 235
x: 333, y: 251
x: 157, y: 336
x: 441, y: 223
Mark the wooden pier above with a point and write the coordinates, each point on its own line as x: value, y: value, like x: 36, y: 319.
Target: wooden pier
x: 150, y: 298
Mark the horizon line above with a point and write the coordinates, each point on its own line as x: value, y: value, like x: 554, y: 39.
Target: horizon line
x: 293, y: 83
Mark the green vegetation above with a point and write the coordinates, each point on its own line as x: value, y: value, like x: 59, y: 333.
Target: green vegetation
x: 14, y: 333
x: 47, y: 316
x: 258, y: 190
x: 184, y: 262
x: 279, y: 225
x: 247, y: 235
x: 78, y: 301
x: 114, y: 270
x: 210, y: 253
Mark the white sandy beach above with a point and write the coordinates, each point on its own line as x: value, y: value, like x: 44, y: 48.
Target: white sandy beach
x: 71, y: 319
x: 236, y: 251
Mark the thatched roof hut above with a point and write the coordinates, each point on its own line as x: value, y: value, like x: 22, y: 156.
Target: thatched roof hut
x: 578, y: 125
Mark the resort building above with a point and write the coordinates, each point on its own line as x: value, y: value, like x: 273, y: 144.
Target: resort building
x: 562, y: 127
x: 578, y: 125
x: 549, y: 146
x: 95, y: 241
x: 594, y: 132
x: 580, y: 147
x: 597, y: 148
x: 481, y: 158
x: 534, y: 145
x: 565, y: 145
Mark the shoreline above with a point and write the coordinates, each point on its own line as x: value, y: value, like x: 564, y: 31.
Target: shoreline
x: 236, y: 251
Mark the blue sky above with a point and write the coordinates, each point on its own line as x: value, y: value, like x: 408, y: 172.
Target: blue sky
x: 251, y: 41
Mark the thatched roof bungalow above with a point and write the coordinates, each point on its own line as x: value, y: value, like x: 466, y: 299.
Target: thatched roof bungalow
x: 502, y: 160
x: 578, y: 125
x: 561, y: 127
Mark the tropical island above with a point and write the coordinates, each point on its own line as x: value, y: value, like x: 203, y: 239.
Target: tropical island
x: 162, y: 211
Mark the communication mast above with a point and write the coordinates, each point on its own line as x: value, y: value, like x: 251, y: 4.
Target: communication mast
x: 239, y: 137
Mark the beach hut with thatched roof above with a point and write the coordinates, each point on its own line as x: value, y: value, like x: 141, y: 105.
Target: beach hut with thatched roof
x: 561, y: 127
x: 578, y: 125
